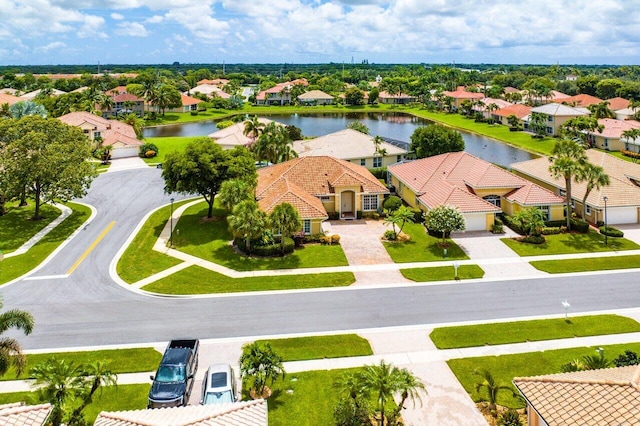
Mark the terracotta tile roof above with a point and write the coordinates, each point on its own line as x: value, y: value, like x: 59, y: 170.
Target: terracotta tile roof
x: 9, y: 91
x: 315, y: 94
x: 307, y: 178
x: 614, y: 128
x: 210, y: 90
x: 347, y: 144
x: 126, y: 97
x: 622, y: 192
x: 461, y: 93
x: 6, y: 98
x: 234, y: 135
x: 582, y: 100
x: 499, y: 102
x: 188, y: 100
x: 618, y: 103
x: 608, y: 396
x: 510, y: 89
x: 555, y: 95
x: 31, y: 95
x: 117, y: 90
x: 283, y: 191
x: 216, y: 82
x: 24, y: 415
x: 560, y: 110
x: 280, y: 87
x: 246, y: 413
x: 518, y: 110
x: 451, y: 179
x: 113, y: 132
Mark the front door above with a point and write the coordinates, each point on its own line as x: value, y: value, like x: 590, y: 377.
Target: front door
x: 347, y: 202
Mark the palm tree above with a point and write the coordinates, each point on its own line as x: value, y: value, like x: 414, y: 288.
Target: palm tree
x: 24, y: 108
x: 409, y: 387
x: 260, y: 363
x: 136, y: 122
x: 531, y: 220
x: 595, y: 178
x: 234, y: 191
x: 489, y: 384
x: 631, y: 135
x: 253, y: 128
x: 382, y: 381
x: 285, y: 219
x: 96, y: 375
x: 247, y: 222
x: 105, y: 102
x: 10, y: 350
x: 568, y: 158
x: 601, y: 110
x: 400, y: 217
x: 57, y: 381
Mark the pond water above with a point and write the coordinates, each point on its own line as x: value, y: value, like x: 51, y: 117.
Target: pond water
x: 395, y: 126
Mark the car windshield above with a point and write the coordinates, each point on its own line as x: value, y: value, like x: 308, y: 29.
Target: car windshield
x: 218, y: 397
x: 170, y: 373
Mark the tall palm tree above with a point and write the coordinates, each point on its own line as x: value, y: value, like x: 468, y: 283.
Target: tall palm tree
x: 284, y: 218
x: 57, y: 381
x: 409, y: 387
x: 492, y: 388
x: 253, y: 128
x: 247, y: 222
x: 10, y: 350
x: 97, y: 375
x: 136, y: 122
x: 382, y: 380
x: 595, y: 178
x: 631, y: 135
x: 234, y: 191
x: 567, y: 160
x: 602, y: 110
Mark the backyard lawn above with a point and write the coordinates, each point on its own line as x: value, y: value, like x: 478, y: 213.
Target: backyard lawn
x: 167, y: 145
x: 442, y: 273
x: 209, y: 239
x: 536, y: 330
x: 505, y: 367
x: 319, y: 347
x: 422, y: 247
x: 571, y: 243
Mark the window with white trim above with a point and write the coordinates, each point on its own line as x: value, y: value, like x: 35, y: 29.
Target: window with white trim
x: 324, y: 198
x: 398, y: 158
x: 377, y: 162
x: 587, y: 210
x: 306, y: 226
x: 363, y: 162
x: 545, y: 211
x: 369, y: 202
x: 493, y: 199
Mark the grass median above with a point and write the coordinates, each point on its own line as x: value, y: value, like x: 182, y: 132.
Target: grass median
x: 532, y: 331
x: 569, y: 243
x: 319, y: 347
x: 442, y: 273
x: 16, y: 266
x: 607, y: 263
x: 422, y: 247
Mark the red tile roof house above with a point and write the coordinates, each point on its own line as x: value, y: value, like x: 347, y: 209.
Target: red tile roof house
x: 125, y: 103
x: 119, y: 135
x: 24, y: 415
x: 460, y: 95
x: 611, y: 136
x: 188, y: 104
x: 319, y: 187
x: 397, y: 99
x: 478, y: 188
x: 520, y: 111
x: 622, y: 194
x: 483, y: 106
x: 609, y: 396
x: 582, y: 100
x: 618, y: 103
x: 279, y: 94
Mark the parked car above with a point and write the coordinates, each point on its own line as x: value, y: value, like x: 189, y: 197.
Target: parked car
x: 219, y: 385
x: 173, y: 382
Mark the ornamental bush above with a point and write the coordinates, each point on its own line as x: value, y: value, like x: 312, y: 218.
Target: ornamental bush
x: 610, y: 231
x: 532, y: 239
x: 147, y: 148
x: 579, y: 225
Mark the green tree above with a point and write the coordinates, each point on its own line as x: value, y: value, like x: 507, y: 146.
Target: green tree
x: 260, y: 363
x: 444, y: 219
x: 631, y: 135
x: 274, y: 144
x: 248, y: 222
x: 24, y: 108
x: 392, y: 203
x: 567, y: 160
x: 358, y: 126
x: 134, y: 121
x: 578, y: 128
x: 530, y: 220
x: 602, y: 110
x: 608, y: 88
x: 408, y: 387
x: 167, y: 96
x: 491, y: 387
x: 253, y: 128
x: 203, y: 166
x: 10, y: 350
x: 285, y: 219
x: 374, y: 94
x: 45, y: 159
x: 400, y: 217
x: 513, y: 121
x: 538, y: 124
x: 594, y: 177
x: 234, y: 191
x: 434, y: 139
x: 354, y: 96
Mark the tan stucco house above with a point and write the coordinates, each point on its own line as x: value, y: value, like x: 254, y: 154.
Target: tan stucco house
x: 232, y: 136
x: 611, y: 136
x: 315, y: 97
x: 478, y: 188
x: 319, y: 187
x: 558, y: 114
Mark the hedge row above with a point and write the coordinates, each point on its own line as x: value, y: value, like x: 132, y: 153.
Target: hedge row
x: 610, y: 231
x: 269, y: 250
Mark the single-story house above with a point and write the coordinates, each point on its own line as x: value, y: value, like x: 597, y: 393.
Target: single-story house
x: 478, y: 188
x: 319, y: 187
x: 280, y: 94
x: 460, y: 95
x: 583, y: 100
x: 32, y: 95
x: 557, y: 114
x: 210, y: 90
x: 398, y: 98
x: 244, y: 413
x: 618, y: 103
x: 608, y: 396
x: 119, y: 135
x: 622, y: 194
x: 315, y: 97
x: 610, y: 137
x: 17, y: 413
x: 6, y: 98
x: 125, y: 103
x: 483, y: 106
x: 233, y: 136
x: 188, y: 104
x: 215, y: 82
x: 353, y: 146
x: 519, y: 110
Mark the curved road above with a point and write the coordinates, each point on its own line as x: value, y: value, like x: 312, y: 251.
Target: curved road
x: 87, y: 308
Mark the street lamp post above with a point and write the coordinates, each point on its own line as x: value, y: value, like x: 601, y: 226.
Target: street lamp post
x: 171, y: 225
x: 606, y: 230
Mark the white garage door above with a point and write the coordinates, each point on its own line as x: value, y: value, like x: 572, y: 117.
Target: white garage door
x: 619, y: 215
x: 476, y: 221
x: 125, y: 151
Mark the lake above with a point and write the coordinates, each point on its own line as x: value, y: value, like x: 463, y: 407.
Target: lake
x: 395, y: 126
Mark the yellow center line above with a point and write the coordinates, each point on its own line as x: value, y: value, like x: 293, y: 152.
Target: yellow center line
x: 91, y: 247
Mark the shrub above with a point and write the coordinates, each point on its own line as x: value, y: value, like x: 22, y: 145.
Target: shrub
x: 630, y: 154
x: 313, y: 238
x: 550, y: 230
x: 532, y: 239
x: 554, y: 223
x: 390, y: 235
x: 326, y: 239
x: 146, y: 148
x: 371, y: 215
x: 194, y: 112
x: 335, y: 239
x: 379, y: 172
x: 418, y: 216
x: 610, y: 231
x: 579, y: 225
x: 497, y: 227
x: 508, y: 220
x: 627, y: 358
x: 266, y: 250
x: 150, y: 154
x: 510, y: 417
x: 333, y: 215
x: 438, y: 234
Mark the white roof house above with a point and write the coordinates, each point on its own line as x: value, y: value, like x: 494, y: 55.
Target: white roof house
x: 233, y: 136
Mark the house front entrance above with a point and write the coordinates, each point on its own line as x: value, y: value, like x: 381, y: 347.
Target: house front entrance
x: 347, y: 202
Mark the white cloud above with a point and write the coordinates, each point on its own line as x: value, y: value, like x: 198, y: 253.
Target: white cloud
x: 51, y: 46
x: 131, y: 29
x: 155, y: 19
x: 117, y: 16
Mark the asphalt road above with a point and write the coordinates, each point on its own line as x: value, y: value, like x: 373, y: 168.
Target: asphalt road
x: 87, y: 308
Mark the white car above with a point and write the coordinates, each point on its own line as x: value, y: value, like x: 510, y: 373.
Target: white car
x: 219, y: 385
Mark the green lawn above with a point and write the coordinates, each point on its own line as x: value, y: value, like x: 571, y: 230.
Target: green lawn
x: 532, y: 331
x: 111, y: 398
x: 14, y: 267
x: 209, y: 240
x: 422, y: 247
x: 167, y: 145
x: 139, y: 259
x: 318, y: 347
x: 505, y: 367
x: 585, y: 265
x: 16, y: 226
x: 198, y: 280
x: 442, y: 273
x: 119, y: 360
x: 571, y: 243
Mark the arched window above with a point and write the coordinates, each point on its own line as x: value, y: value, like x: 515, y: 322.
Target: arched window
x: 493, y: 199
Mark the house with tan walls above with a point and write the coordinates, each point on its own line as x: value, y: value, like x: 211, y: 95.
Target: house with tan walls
x: 480, y: 190
x: 622, y: 194
x: 557, y: 114
x: 611, y: 136
x: 320, y: 187
x: 232, y: 136
x: 608, y: 396
x: 582, y: 100
x: 353, y: 146
x: 280, y: 94
x: 460, y: 95
x: 315, y: 97
x: 519, y: 110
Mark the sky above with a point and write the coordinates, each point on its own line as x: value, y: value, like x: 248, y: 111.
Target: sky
x: 60, y: 32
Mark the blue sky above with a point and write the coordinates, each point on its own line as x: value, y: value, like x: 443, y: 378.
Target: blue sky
x: 42, y: 32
